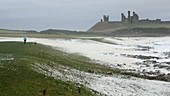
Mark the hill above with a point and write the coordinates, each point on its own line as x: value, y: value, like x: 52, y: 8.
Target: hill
x: 55, y: 31
x: 131, y: 25
x: 141, y: 32
x: 4, y: 31
x: 114, y: 26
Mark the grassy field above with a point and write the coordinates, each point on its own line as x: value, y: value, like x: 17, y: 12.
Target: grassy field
x: 19, y: 79
x: 38, y: 35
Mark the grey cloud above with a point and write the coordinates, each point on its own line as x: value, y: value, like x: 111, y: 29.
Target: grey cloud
x: 73, y: 14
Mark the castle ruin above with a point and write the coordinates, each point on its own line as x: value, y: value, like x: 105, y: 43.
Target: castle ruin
x: 130, y: 19
x: 105, y: 18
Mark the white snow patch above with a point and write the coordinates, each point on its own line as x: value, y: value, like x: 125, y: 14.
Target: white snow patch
x: 108, y: 85
x: 112, y: 55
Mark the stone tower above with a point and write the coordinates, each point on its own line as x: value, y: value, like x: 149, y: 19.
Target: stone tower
x: 123, y: 18
x: 135, y: 18
x: 106, y: 18
x: 129, y: 17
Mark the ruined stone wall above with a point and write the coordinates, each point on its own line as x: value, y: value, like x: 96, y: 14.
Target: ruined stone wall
x: 106, y: 18
x: 129, y: 18
x: 123, y: 18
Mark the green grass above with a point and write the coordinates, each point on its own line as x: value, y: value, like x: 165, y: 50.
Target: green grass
x: 45, y: 54
x: 18, y: 79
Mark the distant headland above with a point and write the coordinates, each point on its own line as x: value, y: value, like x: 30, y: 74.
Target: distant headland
x: 129, y: 22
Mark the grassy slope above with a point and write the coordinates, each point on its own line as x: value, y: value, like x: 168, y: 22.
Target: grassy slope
x: 18, y: 79
x: 111, y: 27
x: 5, y: 31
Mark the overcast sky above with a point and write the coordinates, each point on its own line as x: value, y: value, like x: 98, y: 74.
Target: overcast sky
x: 74, y: 14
